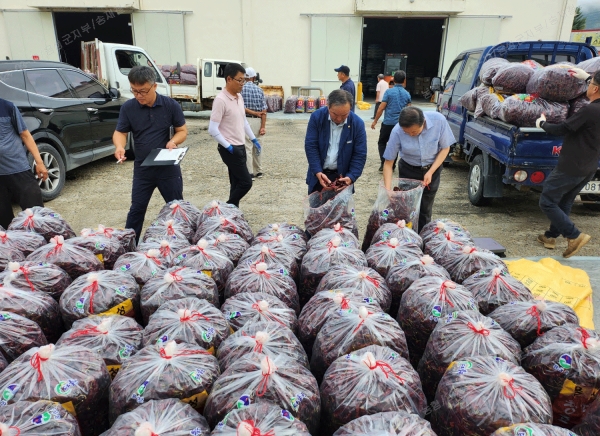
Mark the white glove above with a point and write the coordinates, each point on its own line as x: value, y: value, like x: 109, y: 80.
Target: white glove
x: 539, y: 121
x: 578, y: 73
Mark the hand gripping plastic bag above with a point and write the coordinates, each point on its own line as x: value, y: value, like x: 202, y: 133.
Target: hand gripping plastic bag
x: 384, y: 255
x: 273, y: 256
x: 160, y: 417
x: 262, y: 419
x: 427, y: 302
x: 43, y: 277
x: 170, y: 230
x: 231, y: 245
x: 177, y: 283
x: 221, y: 224
x: 187, y: 320
x: 42, y: 220
x: 490, y: 68
x: 166, y: 249
x: 100, y: 293
x: 35, y: 306
x: 350, y: 330
x: 115, y: 338
x: 328, y: 207
x: 402, y: 202
x: 323, y: 305
x: 436, y: 229
x: 387, y: 423
x: 590, y: 423
x: 462, y: 335
x: 590, y: 66
x: 318, y: 261
x: 324, y: 236
x: 555, y: 83
x: 257, y: 378
x: 260, y: 277
x: 495, y: 287
x: 39, y: 418
x: 529, y: 428
x: 267, y: 338
x: 141, y: 266
x: 245, y: 308
x: 9, y: 255
x: 18, y: 334
x: 160, y: 371
x: 217, y: 208
x: 292, y: 242
x: 364, y: 280
x: 74, y: 260
x: 512, y: 78
x: 106, y: 250
x: 397, y: 230
x: 73, y: 376
x: 524, y: 109
x: 527, y: 320
x: 25, y: 242
x: 374, y: 379
x: 181, y: 210
x: 566, y: 361
x: 126, y: 237
x: 480, y: 394
x: 469, y: 99
x: 490, y: 105
x: 471, y: 260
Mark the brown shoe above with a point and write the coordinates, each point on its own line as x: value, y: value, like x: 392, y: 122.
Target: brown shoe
x: 576, y: 244
x: 548, y: 242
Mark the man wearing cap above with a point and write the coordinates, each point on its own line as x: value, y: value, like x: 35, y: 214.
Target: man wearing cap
x: 382, y: 86
x: 256, y: 115
x: 343, y: 73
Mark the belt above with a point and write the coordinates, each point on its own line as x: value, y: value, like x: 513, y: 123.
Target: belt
x: 329, y: 171
x: 425, y: 168
x: 252, y: 116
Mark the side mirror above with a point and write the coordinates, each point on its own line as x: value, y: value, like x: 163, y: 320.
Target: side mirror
x: 114, y: 93
x: 436, y: 84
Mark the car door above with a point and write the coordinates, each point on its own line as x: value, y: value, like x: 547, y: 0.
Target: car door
x: 208, y: 80
x: 445, y: 99
x: 61, y: 113
x: 465, y: 82
x: 101, y: 108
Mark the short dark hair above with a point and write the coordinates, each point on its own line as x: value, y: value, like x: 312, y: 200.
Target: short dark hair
x: 596, y: 77
x: 411, y: 116
x: 232, y: 69
x: 339, y: 97
x: 391, y: 82
x: 399, y: 77
x: 141, y: 74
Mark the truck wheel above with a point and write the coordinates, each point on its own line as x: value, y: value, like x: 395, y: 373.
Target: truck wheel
x: 53, y: 162
x: 475, y: 186
x: 591, y: 197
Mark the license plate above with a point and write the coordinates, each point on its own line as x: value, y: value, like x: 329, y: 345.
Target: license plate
x: 591, y: 188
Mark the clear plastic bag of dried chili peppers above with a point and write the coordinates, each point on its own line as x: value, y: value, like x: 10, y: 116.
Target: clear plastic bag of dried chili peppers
x: 446, y: 247
x: 39, y: 418
x: 577, y: 104
x: 490, y: 68
x: 230, y: 244
x: 166, y: 249
x: 366, y: 281
x: 402, y: 202
x: 490, y: 105
x: 387, y: 423
x: 221, y: 224
x: 245, y: 308
x: 471, y: 260
x: 372, y: 380
x: 555, y: 83
x: 3, y: 363
x: 527, y: 320
x: 324, y: 236
x: 9, y: 255
x: 217, y: 208
x: 18, y: 334
x: 283, y: 228
x: 265, y: 337
x: 524, y: 109
x: 427, y: 302
x: 126, y: 237
x: 328, y: 207
x: 160, y: 417
x: 105, y: 249
x: 208, y: 259
x: 480, y: 394
x: 350, y: 330
x: 25, y: 242
x: 512, y: 78
x: 529, y: 428
x: 38, y: 307
x: 261, y: 419
x: 590, y: 66
x: 273, y: 256
x: 76, y: 261
x: 566, y: 361
x: 170, y: 230
x: 397, y: 230
x: 73, y: 376
x: 323, y: 305
x: 183, y: 211
x: 271, y: 279
x: 590, y: 423
x: 384, y: 255
x: 42, y: 220
x: 292, y: 242
x: 100, y: 293
x: 495, y: 287
x: 141, y: 266
x: 43, y: 277
x: 160, y: 371
x: 318, y: 261
x: 257, y: 378
x: 469, y: 99
x: 116, y: 338
x: 176, y: 283
x: 188, y: 320
x: 462, y: 335
x: 437, y: 229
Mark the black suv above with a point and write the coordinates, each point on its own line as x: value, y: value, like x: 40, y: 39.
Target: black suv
x: 71, y: 116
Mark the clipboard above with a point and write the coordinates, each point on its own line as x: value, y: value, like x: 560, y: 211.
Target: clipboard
x: 157, y: 157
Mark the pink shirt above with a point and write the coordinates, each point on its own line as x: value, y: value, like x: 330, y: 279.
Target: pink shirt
x: 382, y: 86
x: 228, y: 111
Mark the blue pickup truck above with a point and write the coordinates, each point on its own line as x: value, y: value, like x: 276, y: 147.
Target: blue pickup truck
x: 499, y: 153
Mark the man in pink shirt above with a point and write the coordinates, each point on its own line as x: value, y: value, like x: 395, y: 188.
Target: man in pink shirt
x: 228, y: 125
x: 382, y: 86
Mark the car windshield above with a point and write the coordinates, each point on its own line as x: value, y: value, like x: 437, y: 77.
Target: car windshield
x: 127, y: 59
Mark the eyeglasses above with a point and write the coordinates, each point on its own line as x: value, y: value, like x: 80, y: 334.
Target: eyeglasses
x: 240, y: 81
x: 142, y: 92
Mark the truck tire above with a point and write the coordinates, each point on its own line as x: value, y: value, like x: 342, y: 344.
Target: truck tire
x: 475, y: 185
x: 53, y: 161
x: 592, y: 197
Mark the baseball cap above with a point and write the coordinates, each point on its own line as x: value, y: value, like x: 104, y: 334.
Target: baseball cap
x: 250, y: 72
x: 343, y: 69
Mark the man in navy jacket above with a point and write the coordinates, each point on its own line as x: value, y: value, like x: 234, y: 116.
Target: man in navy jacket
x: 335, y: 143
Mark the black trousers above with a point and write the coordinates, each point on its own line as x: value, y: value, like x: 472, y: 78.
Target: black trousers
x: 239, y: 177
x: 141, y: 192
x: 384, y: 136
x: 21, y: 188
x: 406, y: 171
x: 376, y: 107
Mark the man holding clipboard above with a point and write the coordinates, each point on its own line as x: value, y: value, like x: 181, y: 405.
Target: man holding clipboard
x: 155, y: 122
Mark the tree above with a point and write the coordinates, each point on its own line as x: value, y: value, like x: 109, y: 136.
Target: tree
x: 579, y: 20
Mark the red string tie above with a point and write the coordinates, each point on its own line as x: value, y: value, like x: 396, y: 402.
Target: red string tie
x: 479, y: 329
x: 165, y: 249
x: 152, y: 255
x: 37, y: 359
x: 226, y: 223
x: 533, y: 311
x: 497, y: 272
x: 58, y: 244
x: 363, y: 314
x: 170, y: 229
x: 447, y: 284
x: 509, y: 389
x: 194, y: 315
x: 340, y: 299
x: 4, y: 429
x: 334, y: 243
x: 177, y: 207
x: 201, y: 247
x: 92, y: 288
x: 170, y: 350
x: 263, y: 307
x: 247, y: 428
x: 29, y: 220
x: 87, y: 331
x: 264, y: 251
x: 584, y: 336
x: 3, y: 239
x: 260, y: 268
x: 268, y: 368
x: 15, y: 267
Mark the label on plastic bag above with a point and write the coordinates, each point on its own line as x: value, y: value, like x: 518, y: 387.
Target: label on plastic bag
x: 197, y: 401
x: 100, y: 257
x: 125, y: 308
x: 68, y: 406
x: 8, y: 393
x: 113, y: 370
x: 462, y: 366
x: 207, y: 272
x: 570, y: 405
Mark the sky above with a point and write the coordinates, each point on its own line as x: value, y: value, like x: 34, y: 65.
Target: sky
x: 591, y: 10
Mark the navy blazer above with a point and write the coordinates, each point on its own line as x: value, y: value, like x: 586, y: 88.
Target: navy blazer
x: 352, y: 153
